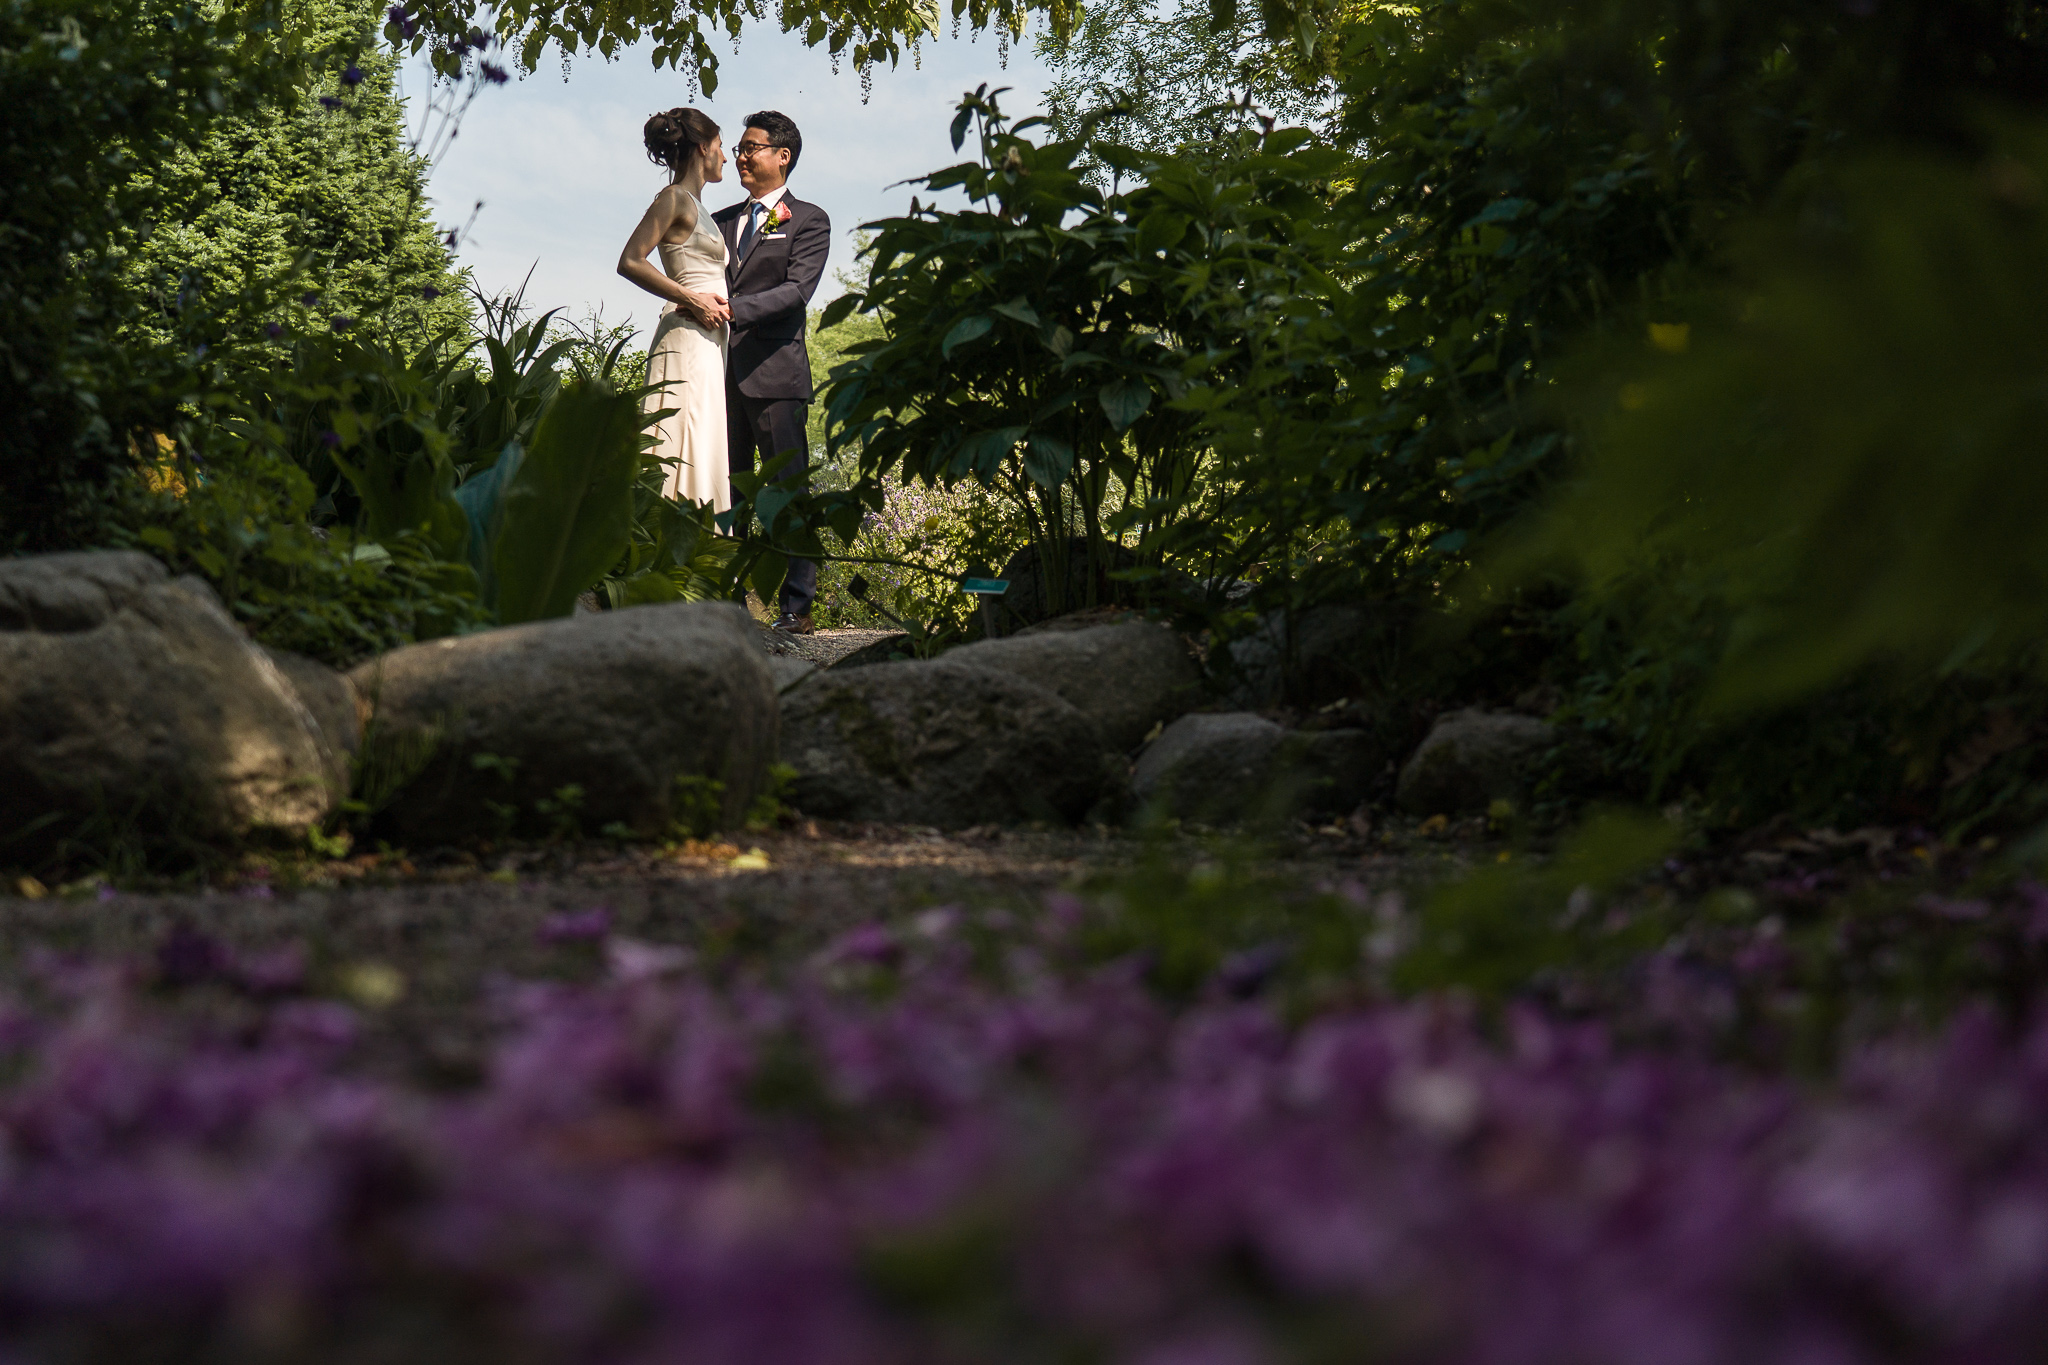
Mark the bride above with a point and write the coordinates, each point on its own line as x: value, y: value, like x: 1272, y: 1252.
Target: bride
x: 686, y: 359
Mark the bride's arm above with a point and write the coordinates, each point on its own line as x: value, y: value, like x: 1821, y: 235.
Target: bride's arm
x: 669, y: 209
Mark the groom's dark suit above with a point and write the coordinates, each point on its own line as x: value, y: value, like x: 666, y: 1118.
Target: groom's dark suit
x: 767, y: 368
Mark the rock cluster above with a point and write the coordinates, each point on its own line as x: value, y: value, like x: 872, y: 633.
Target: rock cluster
x: 126, y: 695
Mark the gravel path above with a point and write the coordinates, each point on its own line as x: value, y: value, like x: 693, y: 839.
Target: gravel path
x: 825, y: 648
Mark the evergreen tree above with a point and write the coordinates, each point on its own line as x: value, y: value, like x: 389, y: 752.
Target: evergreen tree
x: 327, y: 181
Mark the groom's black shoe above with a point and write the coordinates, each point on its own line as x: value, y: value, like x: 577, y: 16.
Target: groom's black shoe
x: 789, y: 623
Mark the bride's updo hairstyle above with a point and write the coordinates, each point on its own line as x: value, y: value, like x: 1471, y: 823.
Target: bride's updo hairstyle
x: 674, y: 138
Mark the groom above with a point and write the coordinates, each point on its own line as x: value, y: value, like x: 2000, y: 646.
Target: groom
x: 775, y: 253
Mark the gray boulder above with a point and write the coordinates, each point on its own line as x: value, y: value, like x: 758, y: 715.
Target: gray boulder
x: 130, y: 698
x: 789, y: 669
x: 1126, y: 678
x: 487, y: 727
x: 939, y: 743
x: 1236, y: 766
x: 1471, y: 759
x: 330, y: 698
x: 888, y: 650
x: 1314, y: 656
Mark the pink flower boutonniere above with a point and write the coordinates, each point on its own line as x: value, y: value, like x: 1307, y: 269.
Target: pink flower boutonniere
x: 778, y: 218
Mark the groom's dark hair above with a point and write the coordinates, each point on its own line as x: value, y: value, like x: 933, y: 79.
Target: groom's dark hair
x: 781, y: 133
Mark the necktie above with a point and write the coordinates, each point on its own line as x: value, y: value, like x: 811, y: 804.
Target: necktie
x: 747, y: 234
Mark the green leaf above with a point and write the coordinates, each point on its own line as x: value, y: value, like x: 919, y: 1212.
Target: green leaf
x: 1161, y: 230
x: 984, y: 450
x: 647, y: 588
x: 767, y: 576
x: 838, y: 310
x: 567, y: 511
x: 769, y: 503
x: 1500, y: 211
x: 481, y: 499
x: 961, y: 121
x: 1124, y: 400
x: 1020, y: 311
x: 1047, y: 459
x: 968, y: 329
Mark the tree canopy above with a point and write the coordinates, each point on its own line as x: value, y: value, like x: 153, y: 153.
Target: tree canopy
x: 864, y: 32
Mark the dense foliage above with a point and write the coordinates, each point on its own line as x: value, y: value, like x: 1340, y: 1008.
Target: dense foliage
x: 94, y: 93
x: 1544, y: 274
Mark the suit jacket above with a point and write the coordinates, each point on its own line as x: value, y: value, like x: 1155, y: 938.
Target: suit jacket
x: 771, y: 294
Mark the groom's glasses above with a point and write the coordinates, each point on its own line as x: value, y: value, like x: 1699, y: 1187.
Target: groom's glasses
x: 747, y: 149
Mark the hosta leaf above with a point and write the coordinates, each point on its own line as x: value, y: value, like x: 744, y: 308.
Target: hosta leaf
x: 566, y: 513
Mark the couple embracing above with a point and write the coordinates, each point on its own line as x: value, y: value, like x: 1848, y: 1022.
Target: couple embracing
x: 728, y: 354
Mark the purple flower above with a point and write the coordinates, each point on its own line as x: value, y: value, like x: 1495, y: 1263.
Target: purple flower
x: 582, y: 926
x: 274, y: 971
x: 352, y: 75
x: 495, y: 74
x: 341, y: 322
x: 330, y: 439
x: 429, y: 293
x: 187, y: 957
x: 273, y: 330
x: 868, y: 943
x: 329, y: 102
x: 309, y: 298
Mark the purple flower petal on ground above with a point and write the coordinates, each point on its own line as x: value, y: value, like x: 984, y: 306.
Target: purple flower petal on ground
x: 577, y: 926
x: 186, y: 957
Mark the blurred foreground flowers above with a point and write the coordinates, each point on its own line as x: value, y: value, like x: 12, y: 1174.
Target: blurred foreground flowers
x: 928, y: 1144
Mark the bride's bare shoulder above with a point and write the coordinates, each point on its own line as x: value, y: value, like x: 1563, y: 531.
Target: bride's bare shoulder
x: 676, y: 210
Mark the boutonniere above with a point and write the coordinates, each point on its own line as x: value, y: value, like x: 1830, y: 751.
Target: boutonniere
x: 777, y: 219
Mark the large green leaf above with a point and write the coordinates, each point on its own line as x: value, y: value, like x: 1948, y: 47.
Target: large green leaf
x: 1124, y: 400
x: 968, y: 329
x: 566, y: 513
x: 1047, y: 459
x: 481, y: 499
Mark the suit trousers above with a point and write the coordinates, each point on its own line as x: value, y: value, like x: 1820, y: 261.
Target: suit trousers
x: 769, y: 433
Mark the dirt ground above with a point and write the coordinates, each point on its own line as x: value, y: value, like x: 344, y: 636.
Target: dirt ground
x: 423, y: 941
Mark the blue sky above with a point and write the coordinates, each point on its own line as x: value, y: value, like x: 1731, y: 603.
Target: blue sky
x: 560, y: 170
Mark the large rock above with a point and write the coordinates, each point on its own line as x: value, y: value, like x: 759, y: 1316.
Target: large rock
x: 1308, y: 658
x: 1470, y: 760
x: 887, y: 650
x: 330, y: 697
x: 1126, y: 678
x: 939, y: 743
x: 134, y: 702
x: 1236, y: 766
x: 618, y: 703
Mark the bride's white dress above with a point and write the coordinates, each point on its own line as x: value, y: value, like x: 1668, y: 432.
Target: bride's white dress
x: 688, y: 362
